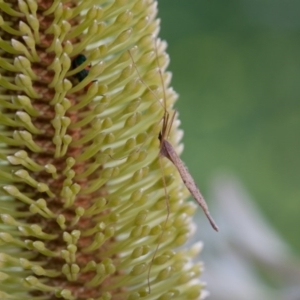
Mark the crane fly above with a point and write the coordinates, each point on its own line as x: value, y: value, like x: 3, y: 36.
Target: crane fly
x: 167, y: 150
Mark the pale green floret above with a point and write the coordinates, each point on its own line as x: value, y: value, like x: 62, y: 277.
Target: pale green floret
x: 83, y: 207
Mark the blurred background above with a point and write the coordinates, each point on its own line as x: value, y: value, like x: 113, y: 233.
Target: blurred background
x: 236, y: 66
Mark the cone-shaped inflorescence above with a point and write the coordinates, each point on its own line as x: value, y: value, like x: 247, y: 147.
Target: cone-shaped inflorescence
x: 82, y: 201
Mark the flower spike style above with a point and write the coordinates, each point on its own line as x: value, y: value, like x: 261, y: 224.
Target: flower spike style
x: 83, y: 204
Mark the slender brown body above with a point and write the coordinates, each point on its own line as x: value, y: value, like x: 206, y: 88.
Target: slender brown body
x: 167, y: 150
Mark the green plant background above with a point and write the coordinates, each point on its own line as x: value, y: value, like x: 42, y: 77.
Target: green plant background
x: 236, y: 66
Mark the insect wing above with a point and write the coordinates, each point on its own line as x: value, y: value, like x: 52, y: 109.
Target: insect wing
x: 169, y: 152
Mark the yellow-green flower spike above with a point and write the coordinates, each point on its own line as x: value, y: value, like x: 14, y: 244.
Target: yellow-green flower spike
x: 83, y: 204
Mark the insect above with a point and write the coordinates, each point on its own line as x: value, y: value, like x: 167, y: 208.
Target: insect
x: 81, y: 75
x: 76, y: 62
x: 167, y: 151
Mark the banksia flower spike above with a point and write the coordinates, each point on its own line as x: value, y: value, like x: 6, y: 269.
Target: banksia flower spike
x: 83, y: 197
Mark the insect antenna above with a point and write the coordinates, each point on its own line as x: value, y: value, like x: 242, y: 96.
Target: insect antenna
x: 164, y: 130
